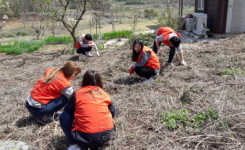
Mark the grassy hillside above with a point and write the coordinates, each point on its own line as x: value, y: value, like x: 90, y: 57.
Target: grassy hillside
x: 201, y: 106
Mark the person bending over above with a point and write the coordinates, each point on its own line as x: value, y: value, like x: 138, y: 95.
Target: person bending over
x: 51, y: 92
x: 87, y: 120
x: 169, y: 37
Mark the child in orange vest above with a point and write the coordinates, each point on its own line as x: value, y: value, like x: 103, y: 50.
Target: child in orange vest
x: 170, y: 38
x: 85, y: 44
x: 87, y: 120
x: 146, y: 62
x: 51, y: 92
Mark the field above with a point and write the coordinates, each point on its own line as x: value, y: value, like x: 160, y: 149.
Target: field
x: 211, y: 91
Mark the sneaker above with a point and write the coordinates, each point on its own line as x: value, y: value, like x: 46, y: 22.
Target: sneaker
x: 148, y: 80
x: 88, y: 54
x: 74, y: 147
x: 183, y: 63
x: 169, y: 65
x: 56, y: 115
x: 43, y: 120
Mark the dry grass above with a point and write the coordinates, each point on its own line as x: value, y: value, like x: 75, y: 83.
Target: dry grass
x: 139, y: 106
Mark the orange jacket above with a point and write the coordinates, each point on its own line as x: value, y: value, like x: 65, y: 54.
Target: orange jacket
x: 45, y: 92
x: 92, y: 114
x: 153, y: 61
x: 166, y: 31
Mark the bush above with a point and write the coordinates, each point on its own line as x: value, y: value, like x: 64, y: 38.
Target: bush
x: 117, y: 34
x: 20, y: 47
x: 150, y: 13
x: 147, y: 38
x: 169, y: 19
x: 21, y: 33
x: 58, y: 40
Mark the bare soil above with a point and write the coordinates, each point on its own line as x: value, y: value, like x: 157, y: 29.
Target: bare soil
x: 139, y: 105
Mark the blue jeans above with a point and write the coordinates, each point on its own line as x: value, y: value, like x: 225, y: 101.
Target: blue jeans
x: 48, y: 109
x: 66, y: 119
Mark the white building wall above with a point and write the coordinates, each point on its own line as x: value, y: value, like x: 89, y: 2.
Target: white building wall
x: 238, y: 17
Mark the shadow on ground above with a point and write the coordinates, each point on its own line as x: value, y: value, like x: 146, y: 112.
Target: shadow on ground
x: 27, y: 121
x: 57, y: 143
x: 129, y: 80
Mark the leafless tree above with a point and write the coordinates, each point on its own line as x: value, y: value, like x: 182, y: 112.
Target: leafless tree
x: 60, y: 11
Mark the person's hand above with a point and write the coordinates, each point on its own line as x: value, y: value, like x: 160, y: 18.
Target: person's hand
x: 131, y: 70
x: 97, y: 53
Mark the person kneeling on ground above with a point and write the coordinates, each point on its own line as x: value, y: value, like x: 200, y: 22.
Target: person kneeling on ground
x: 87, y: 120
x: 51, y: 92
x: 84, y: 45
x: 146, y: 62
x: 170, y: 38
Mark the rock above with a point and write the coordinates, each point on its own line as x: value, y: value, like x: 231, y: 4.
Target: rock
x: 13, y: 145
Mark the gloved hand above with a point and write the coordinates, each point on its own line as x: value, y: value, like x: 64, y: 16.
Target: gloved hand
x: 131, y: 70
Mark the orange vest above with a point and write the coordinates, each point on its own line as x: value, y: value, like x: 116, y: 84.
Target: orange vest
x: 166, y: 31
x: 78, y: 45
x: 153, y: 61
x: 92, y: 114
x: 45, y: 92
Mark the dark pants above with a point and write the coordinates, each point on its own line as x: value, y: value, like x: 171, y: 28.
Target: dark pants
x: 171, y: 52
x: 48, y: 109
x: 145, y: 72
x: 84, y: 140
x: 82, y: 50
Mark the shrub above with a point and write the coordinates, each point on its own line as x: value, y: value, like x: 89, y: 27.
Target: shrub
x: 150, y: 13
x: 21, y: 33
x: 169, y: 19
x: 147, y: 38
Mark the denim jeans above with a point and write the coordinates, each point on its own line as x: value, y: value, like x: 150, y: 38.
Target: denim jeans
x: 66, y: 119
x: 48, y: 109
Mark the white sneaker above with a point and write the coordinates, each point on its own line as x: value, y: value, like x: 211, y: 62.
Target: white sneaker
x: 148, y: 80
x: 74, y: 147
x: 88, y: 54
x: 169, y: 65
x: 183, y: 63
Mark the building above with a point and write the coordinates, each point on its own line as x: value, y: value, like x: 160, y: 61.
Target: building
x: 223, y: 16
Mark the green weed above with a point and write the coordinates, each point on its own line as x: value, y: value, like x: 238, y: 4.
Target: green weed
x: 204, y: 117
x: 174, y: 120
x: 181, y: 118
x: 186, y: 97
x: 231, y: 71
x: 19, y: 47
x: 58, y: 40
x: 117, y: 34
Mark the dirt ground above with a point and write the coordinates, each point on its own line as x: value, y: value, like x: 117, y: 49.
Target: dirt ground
x: 139, y: 106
